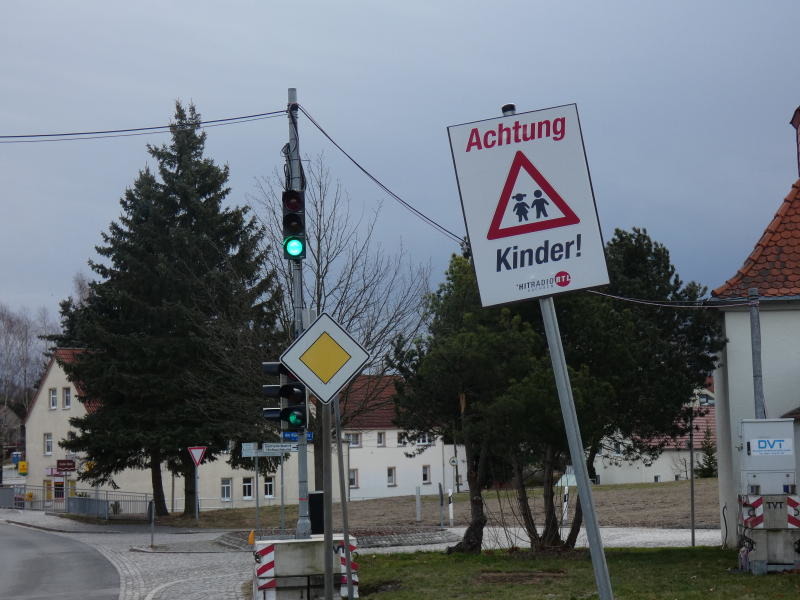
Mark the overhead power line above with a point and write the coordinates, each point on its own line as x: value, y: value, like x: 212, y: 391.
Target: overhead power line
x: 131, y: 131
x: 405, y: 204
x: 701, y: 304
x: 31, y: 138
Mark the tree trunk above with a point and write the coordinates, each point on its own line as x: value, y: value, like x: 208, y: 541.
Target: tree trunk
x: 189, y: 489
x: 575, y: 529
x: 159, y: 499
x: 550, y: 535
x: 577, y: 521
x: 522, y: 499
x: 472, y: 541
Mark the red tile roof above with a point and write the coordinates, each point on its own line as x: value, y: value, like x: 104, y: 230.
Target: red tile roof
x: 69, y: 356
x: 774, y: 264
x: 707, y: 421
x: 794, y: 413
x: 368, y: 403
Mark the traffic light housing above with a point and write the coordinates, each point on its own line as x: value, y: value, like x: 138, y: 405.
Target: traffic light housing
x: 292, y: 395
x: 294, y: 224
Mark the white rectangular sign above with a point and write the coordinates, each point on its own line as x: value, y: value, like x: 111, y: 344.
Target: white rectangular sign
x: 528, y: 205
x: 279, y: 446
x: 253, y: 449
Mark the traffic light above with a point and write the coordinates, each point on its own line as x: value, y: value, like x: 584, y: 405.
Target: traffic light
x: 294, y: 224
x: 293, y: 410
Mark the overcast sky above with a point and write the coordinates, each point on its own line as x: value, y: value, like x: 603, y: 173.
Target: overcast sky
x: 684, y: 108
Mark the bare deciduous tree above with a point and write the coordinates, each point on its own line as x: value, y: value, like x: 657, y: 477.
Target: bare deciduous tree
x: 373, y: 294
x: 22, y: 354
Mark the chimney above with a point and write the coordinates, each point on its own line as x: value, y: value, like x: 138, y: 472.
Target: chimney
x: 796, y: 124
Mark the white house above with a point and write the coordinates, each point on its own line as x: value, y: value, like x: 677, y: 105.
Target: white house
x: 773, y: 267
x: 220, y: 485
x: 384, y: 461
x: 671, y: 465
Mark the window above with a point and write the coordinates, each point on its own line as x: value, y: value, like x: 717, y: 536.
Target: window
x: 677, y: 477
x: 617, y: 448
x: 391, y: 476
x: 225, y: 489
x: 352, y: 477
x: 402, y: 436
x: 269, y: 486
x: 656, y: 478
x: 66, y: 398
x: 426, y: 473
x: 48, y: 443
x: 53, y: 398
x: 247, y: 488
x: 354, y: 439
x: 424, y: 439
x: 58, y: 490
x: 381, y: 438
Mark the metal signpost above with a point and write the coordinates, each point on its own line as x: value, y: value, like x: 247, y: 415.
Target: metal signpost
x: 533, y: 230
x: 197, y: 453
x: 254, y: 450
x: 325, y: 358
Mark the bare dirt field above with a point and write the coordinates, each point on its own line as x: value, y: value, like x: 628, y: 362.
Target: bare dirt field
x: 633, y: 505
x: 664, y: 505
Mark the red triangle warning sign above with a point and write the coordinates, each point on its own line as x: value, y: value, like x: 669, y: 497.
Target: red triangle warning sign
x: 496, y: 230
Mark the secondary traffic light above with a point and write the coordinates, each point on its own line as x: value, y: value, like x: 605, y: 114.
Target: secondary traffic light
x: 292, y: 396
x: 294, y: 224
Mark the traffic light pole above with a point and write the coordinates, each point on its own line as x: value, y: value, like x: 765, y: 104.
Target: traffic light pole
x: 295, y: 182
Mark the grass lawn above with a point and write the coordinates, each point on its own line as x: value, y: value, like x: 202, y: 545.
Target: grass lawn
x: 636, y: 574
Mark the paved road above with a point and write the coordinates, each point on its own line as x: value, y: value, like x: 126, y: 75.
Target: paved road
x: 37, y: 565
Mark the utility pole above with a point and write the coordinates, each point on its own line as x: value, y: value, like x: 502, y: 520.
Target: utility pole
x: 296, y: 182
x: 755, y: 344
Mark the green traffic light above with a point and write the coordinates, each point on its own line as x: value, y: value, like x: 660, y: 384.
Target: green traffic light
x: 296, y: 419
x: 294, y: 246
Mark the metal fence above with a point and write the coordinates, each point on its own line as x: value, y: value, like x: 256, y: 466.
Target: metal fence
x: 102, y: 504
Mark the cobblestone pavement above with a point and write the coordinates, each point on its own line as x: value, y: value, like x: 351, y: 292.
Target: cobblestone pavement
x: 183, y: 566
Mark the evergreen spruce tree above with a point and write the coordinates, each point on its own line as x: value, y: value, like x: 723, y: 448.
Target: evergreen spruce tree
x: 633, y: 369
x: 707, y: 465
x: 176, y: 325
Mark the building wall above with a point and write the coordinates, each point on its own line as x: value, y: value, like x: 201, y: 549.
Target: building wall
x: 372, y: 462
x: 43, y: 419
x: 671, y: 465
x: 780, y: 358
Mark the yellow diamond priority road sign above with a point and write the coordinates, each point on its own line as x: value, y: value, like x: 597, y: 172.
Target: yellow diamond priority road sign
x: 325, y: 358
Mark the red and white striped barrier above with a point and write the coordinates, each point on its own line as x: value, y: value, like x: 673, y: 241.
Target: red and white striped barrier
x: 793, y: 511
x: 265, y: 572
x: 752, y: 511
x: 353, y: 569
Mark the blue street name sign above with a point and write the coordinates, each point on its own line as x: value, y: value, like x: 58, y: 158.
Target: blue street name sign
x: 291, y: 436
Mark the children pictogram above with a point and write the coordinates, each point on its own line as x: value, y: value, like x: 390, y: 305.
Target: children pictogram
x: 539, y: 204
x: 520, y: 207
x: 551, y: 210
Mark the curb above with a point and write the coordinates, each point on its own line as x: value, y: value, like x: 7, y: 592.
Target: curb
x: 53, y: 529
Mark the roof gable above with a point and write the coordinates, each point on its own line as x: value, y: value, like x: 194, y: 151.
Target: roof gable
x: 368, y: 403
x: 774, y: 264
x: 60, y: 357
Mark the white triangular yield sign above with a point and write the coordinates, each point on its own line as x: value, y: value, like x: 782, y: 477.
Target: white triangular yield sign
x: 197, y: 453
